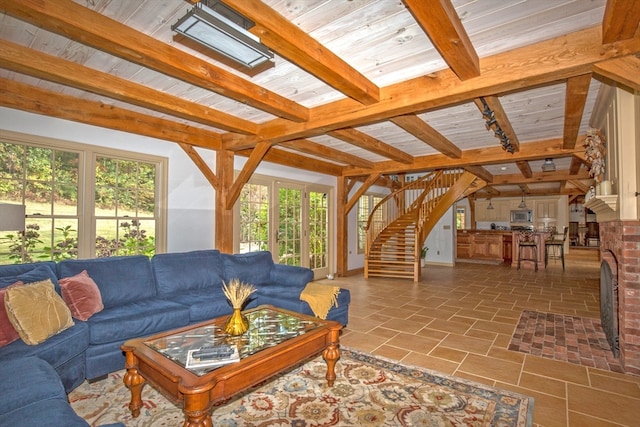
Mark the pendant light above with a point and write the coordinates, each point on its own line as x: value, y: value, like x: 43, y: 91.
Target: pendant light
x: 522, y: 204
x: 490, y: 206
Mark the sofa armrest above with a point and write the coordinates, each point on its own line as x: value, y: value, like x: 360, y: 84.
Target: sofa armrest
x: 290, y: 275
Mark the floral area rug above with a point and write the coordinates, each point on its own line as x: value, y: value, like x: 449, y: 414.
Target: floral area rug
x: 368, y: 391
x: 573, y: 339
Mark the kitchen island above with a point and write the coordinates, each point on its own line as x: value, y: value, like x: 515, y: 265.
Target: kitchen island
x: 484, y: 245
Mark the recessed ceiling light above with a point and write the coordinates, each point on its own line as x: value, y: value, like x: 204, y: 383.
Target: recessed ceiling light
x: 503, y: 168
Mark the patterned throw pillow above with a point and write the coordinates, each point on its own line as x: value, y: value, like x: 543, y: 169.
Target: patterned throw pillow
x: 8, y: 334
x: 82, y: 295
x: 36, y: 311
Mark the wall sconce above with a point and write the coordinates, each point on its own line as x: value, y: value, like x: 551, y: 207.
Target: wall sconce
x: 12, y: 217
x: 224, y: 30
x: 492, y: 124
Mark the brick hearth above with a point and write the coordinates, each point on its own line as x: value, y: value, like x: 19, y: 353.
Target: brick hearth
x: 622, y: 238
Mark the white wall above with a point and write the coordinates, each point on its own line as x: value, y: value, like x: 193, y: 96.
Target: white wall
x: 441, y: 240
x: 191, y: 199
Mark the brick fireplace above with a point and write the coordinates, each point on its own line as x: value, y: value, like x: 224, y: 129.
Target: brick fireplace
x: 620, y: 249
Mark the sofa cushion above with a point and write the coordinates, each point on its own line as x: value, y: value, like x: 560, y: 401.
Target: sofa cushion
x: 30, y: 273
x: 136, y: 319
x: 36, y: 311
x: 203, y: 304
x: 187, y: 271
x: 38, y: 381
x: 8, y: 333
x: 121, y: 279
x: 253, y: 267
x: 55, y: 412
x: 81, y: 294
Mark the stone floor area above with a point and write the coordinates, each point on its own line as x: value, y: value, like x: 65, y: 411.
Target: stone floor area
x: 460, y: 320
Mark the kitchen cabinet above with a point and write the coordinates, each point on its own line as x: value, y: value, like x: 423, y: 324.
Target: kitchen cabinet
x: 545, y: 209
x: 499, y: 213
x: 480, y: 245
x: 507, y: 247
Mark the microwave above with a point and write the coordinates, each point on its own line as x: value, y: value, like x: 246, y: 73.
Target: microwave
x: 522, y: 216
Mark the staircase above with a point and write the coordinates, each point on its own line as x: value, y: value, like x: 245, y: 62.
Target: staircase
x: 400, y: 223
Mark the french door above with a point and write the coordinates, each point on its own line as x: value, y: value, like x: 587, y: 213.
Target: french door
x: 289, y: 219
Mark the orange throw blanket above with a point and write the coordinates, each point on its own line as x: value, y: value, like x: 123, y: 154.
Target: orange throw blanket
x: 320, y: 298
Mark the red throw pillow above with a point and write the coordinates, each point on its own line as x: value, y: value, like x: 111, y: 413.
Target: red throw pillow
x: 8, y: 333
x: 82, y: 296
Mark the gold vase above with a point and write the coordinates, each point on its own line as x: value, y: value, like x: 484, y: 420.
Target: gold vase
x: 237, y: 323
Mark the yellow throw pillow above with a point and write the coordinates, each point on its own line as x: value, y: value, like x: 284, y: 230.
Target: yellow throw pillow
x: 36, y: 311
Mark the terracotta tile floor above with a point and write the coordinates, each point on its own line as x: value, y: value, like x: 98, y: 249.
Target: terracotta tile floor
x: 459, y: 320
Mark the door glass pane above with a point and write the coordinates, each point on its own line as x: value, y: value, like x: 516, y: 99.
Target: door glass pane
x: 289, y: 226
x: 318, y: 230
x: 254, y: 218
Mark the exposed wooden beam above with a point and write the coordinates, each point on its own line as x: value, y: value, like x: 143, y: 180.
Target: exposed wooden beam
x: 574, y: 101
x: 200, y: 164
x: 501, y: 118
x: 369, y: 143
x: 37, y: 64
x: 83, y: 25
x: 537, y: 178
x: 621, y: 70
x: 480, y: 172
x: 256, y: 156
x: 313, y: 148
x: 28, y: 98
x: 289, y: 41
x: 439, y: 20
x: 575, y: 165
x: 371, y: 179
x: 620, y: 20
x: 579, y: 185
x: 525, y: 168
x: 478, y: 156
x: 294, y: 160
x: 425, y: 133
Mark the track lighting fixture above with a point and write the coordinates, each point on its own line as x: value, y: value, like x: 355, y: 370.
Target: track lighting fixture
x: 492, y: 123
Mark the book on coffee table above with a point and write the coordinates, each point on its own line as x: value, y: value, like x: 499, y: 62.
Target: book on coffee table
x: 207, y: 357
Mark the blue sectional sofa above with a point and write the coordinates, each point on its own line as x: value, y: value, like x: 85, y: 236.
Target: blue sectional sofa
x: 143, y: 297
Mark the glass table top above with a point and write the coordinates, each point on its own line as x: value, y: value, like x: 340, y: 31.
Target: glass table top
x: 267, y: 328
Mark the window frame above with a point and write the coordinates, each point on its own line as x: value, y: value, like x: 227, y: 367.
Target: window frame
x: 87, y: 153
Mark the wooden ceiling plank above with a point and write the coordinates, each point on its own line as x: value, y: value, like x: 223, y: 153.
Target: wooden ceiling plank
x: 200, y: 164
x: 37, y: 64
x: 28, y: 98
x: 481, y: 173
x: 256, y: 156
x: 579, y: 185
x: 425, y: 133
x: 289, y: 41
x: 525, y: 168
x: 442, y: 25
x: 575, y: 100
x: 85, y: 26
x: 620, y: 20
x: 310, y: 147
x: 369, y: 143
x: 541, y: 63
x: 621, y: 70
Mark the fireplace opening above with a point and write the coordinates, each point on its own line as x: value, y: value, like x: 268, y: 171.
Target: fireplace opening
x: 609, y: 306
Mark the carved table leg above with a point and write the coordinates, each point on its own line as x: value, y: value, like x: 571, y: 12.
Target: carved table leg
x: 134, y: 382
x: 197, y: 410
x: 331, y: 354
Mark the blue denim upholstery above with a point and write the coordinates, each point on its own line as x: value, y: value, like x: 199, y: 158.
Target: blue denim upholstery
x: 141, y: 297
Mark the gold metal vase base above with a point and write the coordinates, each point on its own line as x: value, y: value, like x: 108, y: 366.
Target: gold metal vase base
x: 237, y: 323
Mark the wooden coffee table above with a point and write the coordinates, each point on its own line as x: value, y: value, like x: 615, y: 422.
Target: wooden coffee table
x: 276, y: 341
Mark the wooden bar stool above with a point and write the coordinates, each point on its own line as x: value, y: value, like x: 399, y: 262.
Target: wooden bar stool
x: 527, y: 242
x: 554, y: 243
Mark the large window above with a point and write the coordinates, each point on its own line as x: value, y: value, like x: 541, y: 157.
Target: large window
x: 461, y: 217
x: 366, y: 204
x: 80, y: 201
